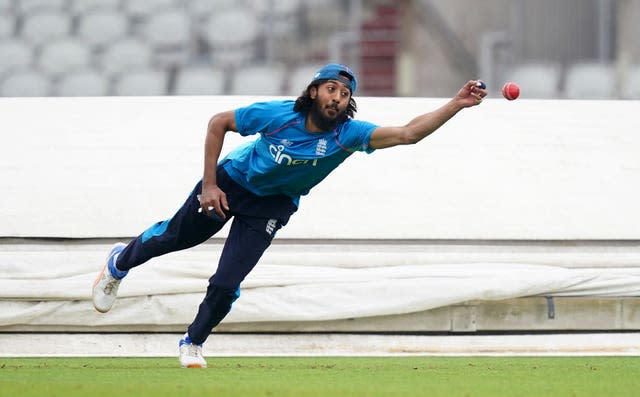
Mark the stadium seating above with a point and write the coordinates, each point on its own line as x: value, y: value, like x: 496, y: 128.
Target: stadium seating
x: 587, y: 80
x: 25, y: 7
x: 85, y: 82
x: 6, y: 6
x: 632, y: 89
x: 536, y: 80
x: 14, y: 54
x: 140, y: 9
x: 25, y: 83
x: 7, y: 25
x: 258, y: 80
x: 200, y: 81
x: 299, y: 78
x: 168, y: 32
x: 231, y: 49
x: 141, y: 82
x: 42, y: 27
x: 64, y: 55
x: 126, y: 54
x: 102, y: 27
x: 80, y: 7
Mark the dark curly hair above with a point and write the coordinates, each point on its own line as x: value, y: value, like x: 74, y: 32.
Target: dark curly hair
x: 304, y: 102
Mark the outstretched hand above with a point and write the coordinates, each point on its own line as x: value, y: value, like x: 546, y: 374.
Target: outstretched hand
x: 471, y: 94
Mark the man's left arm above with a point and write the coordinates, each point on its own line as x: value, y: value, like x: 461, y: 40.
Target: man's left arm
x: 422, y: 126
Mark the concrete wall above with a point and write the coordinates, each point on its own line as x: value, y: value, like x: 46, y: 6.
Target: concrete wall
x: 108, y: 167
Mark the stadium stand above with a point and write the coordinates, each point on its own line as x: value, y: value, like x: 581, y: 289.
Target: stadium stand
x: 80, y: 7
x: 168, y: 32
x: 200, y: 80
x: 25, y: 83
x: 229, y: 34
x: 258, y: 80
x: 102, y: 27
x: 44, y: 26
x: 537, y: 80
x: 231, y: 49
x: 14, y: 54
x: 299, y: 78
x: 7, y: 26
x: 64, y: 55
x: 85, y: 82
x: 144, y: 82
x: 140, y: 9
x: 633, y: 83
x: 586, y: 80
x: 26, y: 7
x: 126, y: 54
x: 6, y: 6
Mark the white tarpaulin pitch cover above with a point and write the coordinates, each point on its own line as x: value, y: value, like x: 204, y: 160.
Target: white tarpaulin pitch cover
x: 53, y: 286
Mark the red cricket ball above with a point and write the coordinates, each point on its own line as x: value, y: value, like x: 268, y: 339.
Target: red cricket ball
x: 510, y: 91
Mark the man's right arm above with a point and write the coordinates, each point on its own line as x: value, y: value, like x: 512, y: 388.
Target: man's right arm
x: 212, y: 195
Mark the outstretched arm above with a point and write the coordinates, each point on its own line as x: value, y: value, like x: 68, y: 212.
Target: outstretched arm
x: 212, y: 195
x: 422, y: 126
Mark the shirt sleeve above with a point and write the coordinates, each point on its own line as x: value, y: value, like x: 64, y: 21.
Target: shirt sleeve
x: 253, y: 118
x: 358, y: 135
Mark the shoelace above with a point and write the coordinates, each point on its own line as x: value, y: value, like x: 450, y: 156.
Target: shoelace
x: 194, y: 351
x: 112, y: 284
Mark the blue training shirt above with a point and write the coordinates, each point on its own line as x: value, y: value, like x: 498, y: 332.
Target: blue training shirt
x: 286, y: 158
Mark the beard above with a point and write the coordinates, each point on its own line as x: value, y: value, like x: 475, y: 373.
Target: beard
x: 323, y: 122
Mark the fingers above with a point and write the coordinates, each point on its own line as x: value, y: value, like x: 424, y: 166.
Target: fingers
x: 478, y: 87
x: 214, y: 207
x: 477, y: 91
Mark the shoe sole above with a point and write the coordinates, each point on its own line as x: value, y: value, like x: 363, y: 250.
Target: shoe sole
x: 195, y: 366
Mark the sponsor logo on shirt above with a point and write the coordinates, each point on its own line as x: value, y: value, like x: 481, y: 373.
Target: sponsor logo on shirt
x: 280, y: 157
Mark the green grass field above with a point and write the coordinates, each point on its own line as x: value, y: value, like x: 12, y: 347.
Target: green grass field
x: 323, y: 376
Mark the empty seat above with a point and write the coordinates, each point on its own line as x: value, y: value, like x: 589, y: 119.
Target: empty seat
x: 25, y: 83
x: 7, y: 26
x: 140, y: 9
x: 169, y: 34
x: 79, y: 7
x: 6, y: 7
x: 236, y: 48
x: 64, y: 55
x: 632, y: 87
x: 42, y: 27
x: 300, y: 77
x: 25, y: 7
x: 590, y: 81
x: 200, y: 81
x: 258, y: 80
x: 87, y: 82
x: 204, y: 7
x: 536, y: 80
x: 126, y: 54
x: 141, y: 82
x: 280, y: 16
x: 102, y: 27
x: 15, y: 54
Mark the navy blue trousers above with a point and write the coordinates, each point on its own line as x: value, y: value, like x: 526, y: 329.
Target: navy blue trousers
x: 255, y: 220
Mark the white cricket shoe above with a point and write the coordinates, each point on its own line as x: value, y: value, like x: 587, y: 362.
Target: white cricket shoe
x: 105, y: 288
x: 191, y: 354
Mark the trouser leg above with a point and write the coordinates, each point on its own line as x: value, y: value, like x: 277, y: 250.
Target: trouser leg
x: 185, y: 229
x: 248, y: 239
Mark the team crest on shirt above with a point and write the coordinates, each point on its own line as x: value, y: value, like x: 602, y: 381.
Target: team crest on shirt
x: 321, y: 147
